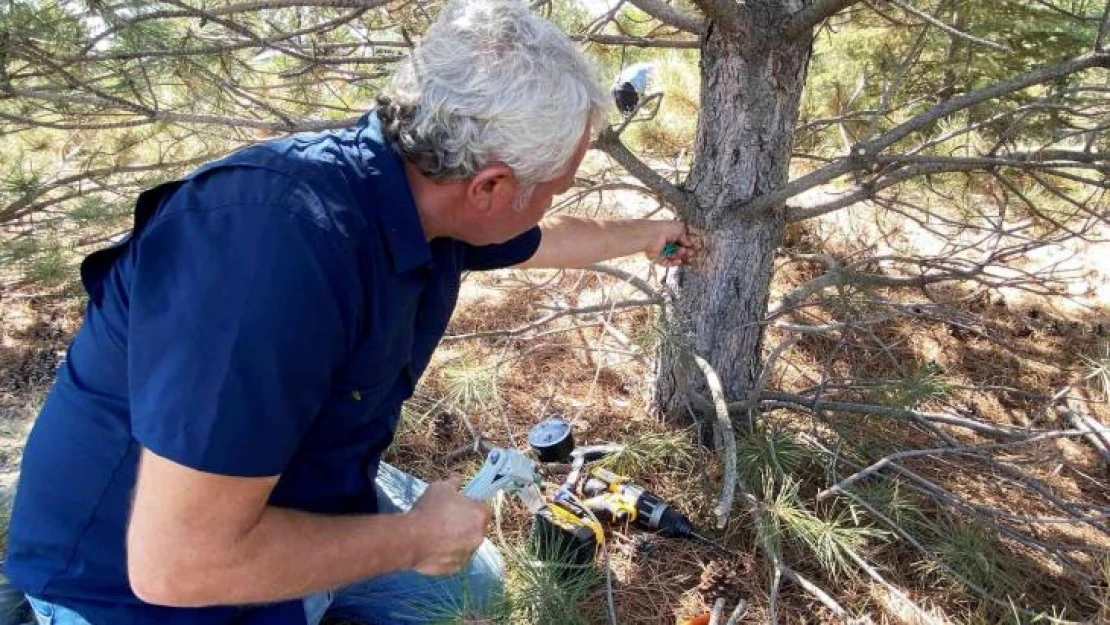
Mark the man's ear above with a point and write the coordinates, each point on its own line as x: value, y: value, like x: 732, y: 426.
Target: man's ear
x: 491, y: 188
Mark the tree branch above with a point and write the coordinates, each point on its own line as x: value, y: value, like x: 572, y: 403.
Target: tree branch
x: 809, y: 181
x: 951, y: 30
x: 230, y: 25
x: 1041, y: 158
x: 742, y: 608
x: 584, y: 310
x: 923, y: 616
x: 717, y: 612
x: 253, y: 7
x: 865, y: 154
x: 898, y: 528
x: 16, y: 208
x: 738, y: 613
x: 1034, y: 77
x: 928, y: 165
x: 183, y: 118
x: 671, y: 16
x: 1095, y: 433
x: 813, y: 14
x: 225, y: 47
x: 38, y: 123
x: 1103, y: 29
x: 609, y: 141
x: 639, y: 283
x: 639, y: 42
x: 598, y: 188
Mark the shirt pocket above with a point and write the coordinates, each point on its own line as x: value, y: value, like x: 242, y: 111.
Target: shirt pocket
x: 367, y: 409
x: 371, y: 374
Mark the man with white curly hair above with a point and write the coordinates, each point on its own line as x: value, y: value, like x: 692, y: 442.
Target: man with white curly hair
x: 211, y: 450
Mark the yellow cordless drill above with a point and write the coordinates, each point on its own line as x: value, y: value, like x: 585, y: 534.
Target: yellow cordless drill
x: 567, y: 528
x: 619, y: 499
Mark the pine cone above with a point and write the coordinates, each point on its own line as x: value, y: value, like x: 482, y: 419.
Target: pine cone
x: 444, y: 425
x: 644, y: 547
x: 720, y: 580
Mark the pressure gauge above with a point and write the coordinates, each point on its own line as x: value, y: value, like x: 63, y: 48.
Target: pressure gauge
x: 552, y: 440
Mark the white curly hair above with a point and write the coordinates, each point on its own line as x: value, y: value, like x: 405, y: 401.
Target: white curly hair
x: 491, y: 81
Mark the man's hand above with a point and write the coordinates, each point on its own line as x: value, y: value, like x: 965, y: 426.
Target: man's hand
x: 671, y: 243
x: 454, y: 525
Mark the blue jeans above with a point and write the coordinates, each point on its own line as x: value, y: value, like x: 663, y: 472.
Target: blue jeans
x: 402, y: 597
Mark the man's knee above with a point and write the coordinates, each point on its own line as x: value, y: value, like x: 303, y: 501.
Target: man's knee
x: 409, y: 597
x: 487, y: 568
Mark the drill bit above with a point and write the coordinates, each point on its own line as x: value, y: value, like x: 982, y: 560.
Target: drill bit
x: 715, y: 544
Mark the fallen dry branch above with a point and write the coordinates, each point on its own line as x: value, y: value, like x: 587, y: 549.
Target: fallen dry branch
x: 738, y: 613
x: 816, y: 592
x: 897, y: 528
x: 776, y: 585
x: 1094, y: 433
x: 979, y: 427
x: 992, y: 514
x: 723, y: 427
x: 898, y: 593
x: 717, y: 612
x: 969, y: 450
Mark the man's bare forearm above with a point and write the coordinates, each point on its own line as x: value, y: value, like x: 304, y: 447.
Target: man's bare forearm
x: 287, y: 554
x: 575, y: 242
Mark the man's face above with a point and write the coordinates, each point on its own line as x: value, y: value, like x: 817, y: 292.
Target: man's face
x: 503, y: 220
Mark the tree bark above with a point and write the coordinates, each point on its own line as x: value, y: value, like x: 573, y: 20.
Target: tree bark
x: 751, y: 89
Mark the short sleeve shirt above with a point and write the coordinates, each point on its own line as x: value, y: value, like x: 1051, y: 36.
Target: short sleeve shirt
x: 267, y: 316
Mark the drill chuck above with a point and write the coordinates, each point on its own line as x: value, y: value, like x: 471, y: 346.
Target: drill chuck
x: 656, y: 515
x: 672, y: 523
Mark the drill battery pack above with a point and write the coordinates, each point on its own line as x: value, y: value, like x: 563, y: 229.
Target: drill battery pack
x: 565, y: 533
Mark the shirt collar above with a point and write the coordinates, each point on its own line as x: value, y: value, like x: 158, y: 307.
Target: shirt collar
x: 396, y: 207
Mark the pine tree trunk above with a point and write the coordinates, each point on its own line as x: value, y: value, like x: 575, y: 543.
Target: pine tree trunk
x: 751, y: 90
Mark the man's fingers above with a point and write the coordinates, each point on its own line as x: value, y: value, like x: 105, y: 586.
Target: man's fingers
x: 456, y: 481
x: 679, y: 244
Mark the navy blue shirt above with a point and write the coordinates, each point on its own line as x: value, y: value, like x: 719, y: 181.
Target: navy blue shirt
x: 267, y: 315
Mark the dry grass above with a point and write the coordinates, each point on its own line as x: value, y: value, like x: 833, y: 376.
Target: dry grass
x: 1000, y: 372
x: 1002, y: 367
